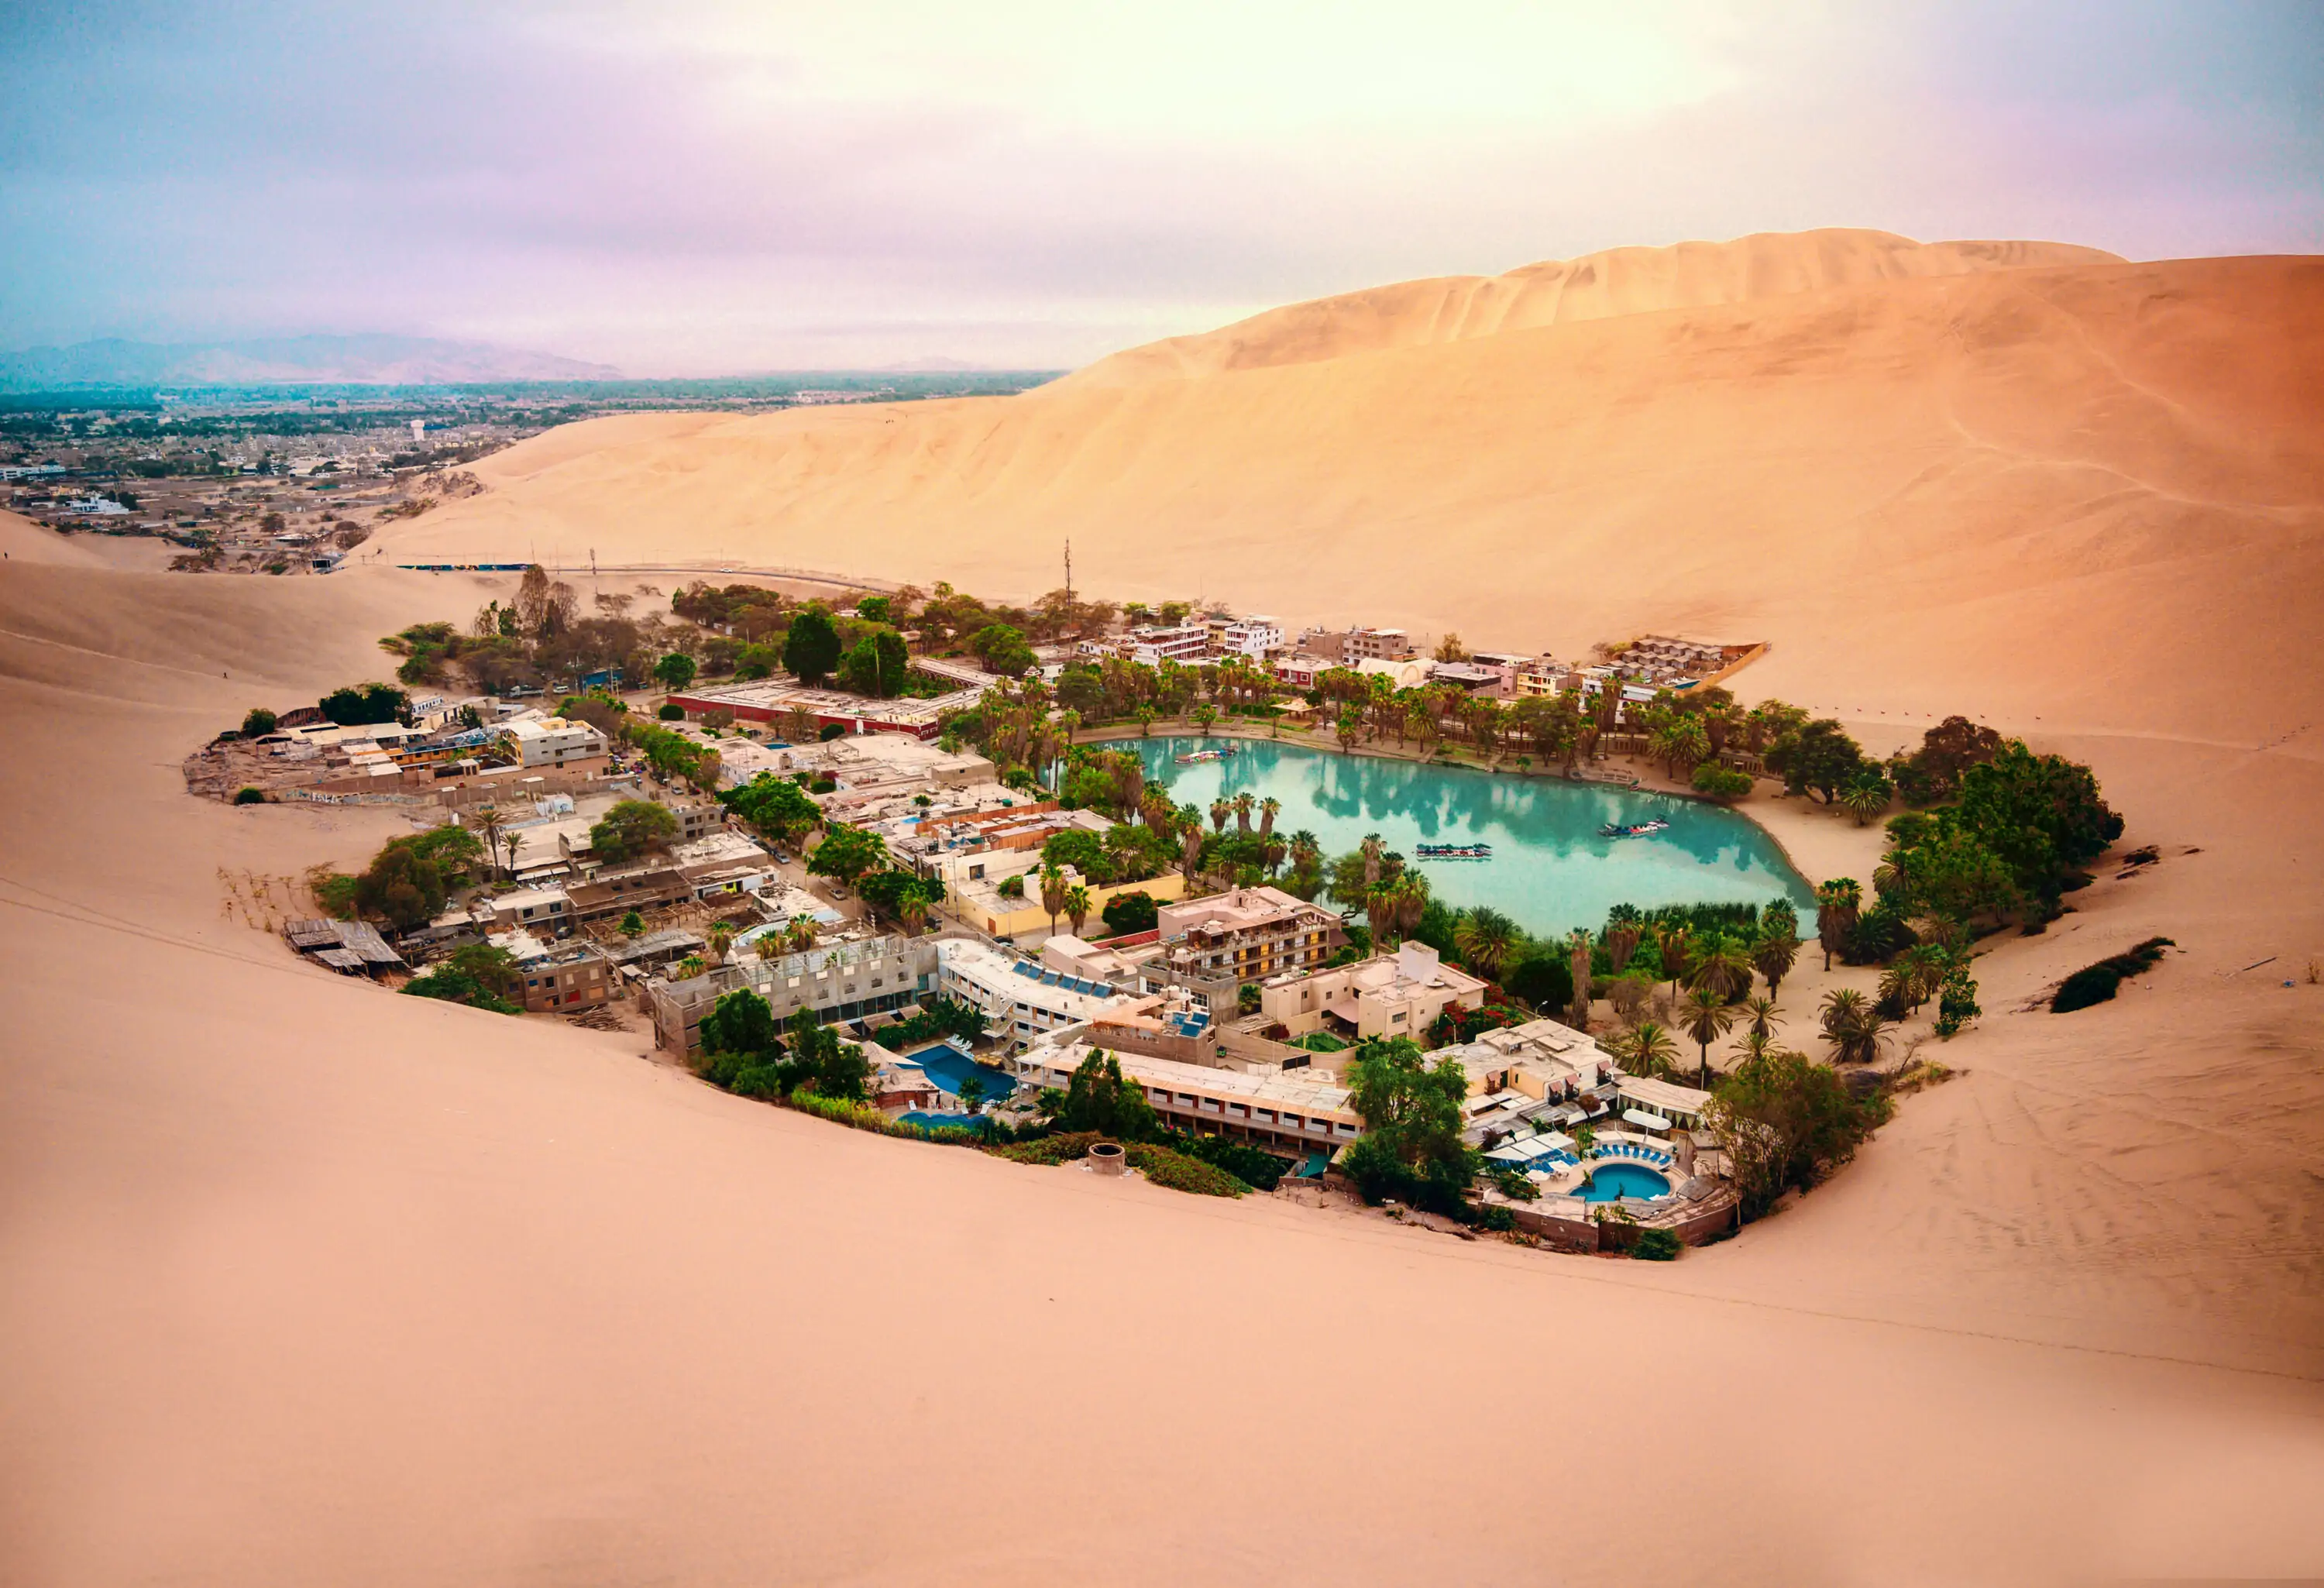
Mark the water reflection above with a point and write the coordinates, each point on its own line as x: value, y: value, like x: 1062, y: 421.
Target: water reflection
x: 1551, y: 868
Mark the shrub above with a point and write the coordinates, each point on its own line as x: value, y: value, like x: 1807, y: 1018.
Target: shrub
x: 1130, y: 912
x: 1657, y: 1246
x: 671, y: 711
x: 1180, y: 1173
x: 1496, y: 1218
x: 1063, y: 1147
x: 258, y: 721
x: 1721, y: 782
x: 454, y: 985
x: 832, y: 731
x: 2095, y: 983
x: 1012, y: 887
x: 249, y: 797
x: 1542, y: 978
x: 1259, y: 1170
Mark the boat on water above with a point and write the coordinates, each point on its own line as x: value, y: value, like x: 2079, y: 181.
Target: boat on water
x: 1632, y: 829
x: 1197, y: 756
x: 1453, y: 851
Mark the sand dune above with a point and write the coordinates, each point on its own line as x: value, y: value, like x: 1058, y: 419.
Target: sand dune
x: 1561, y: 291
x: 306, y: 1282
x: 2067, y: 454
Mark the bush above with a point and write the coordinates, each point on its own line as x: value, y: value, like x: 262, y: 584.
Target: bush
x: 2095, y: 983
x: 1012, y: 887
x: 457, y: 986
x: 1063, y: 1147
x: 1130, y: 912
x: 1657, y: 1246
x: 671, y: 711
x: 249, y: 797
x: 1180, y: 1173
x: 258, y: 722
x: 1721, y: 782
x: 1544, y: 978
x: 832, y: 731
x: 1259, y: 1170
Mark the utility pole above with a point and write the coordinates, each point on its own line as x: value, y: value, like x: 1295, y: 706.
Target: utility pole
x: 1069, y: 577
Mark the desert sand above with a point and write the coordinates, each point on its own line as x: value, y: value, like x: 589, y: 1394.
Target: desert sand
x: 307, y: 1282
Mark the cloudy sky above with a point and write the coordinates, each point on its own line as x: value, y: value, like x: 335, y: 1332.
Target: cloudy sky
x: 713, y: 188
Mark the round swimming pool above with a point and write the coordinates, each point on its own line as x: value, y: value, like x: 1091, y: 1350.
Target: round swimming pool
x: 1609, y: 1181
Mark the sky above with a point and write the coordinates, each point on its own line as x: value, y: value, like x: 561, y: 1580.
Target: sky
x: 722, y: 188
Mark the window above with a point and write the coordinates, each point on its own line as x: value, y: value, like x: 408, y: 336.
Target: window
x: 1396, y: 1020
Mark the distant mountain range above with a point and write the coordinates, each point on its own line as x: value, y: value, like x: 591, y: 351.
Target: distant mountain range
x: 366, y: 360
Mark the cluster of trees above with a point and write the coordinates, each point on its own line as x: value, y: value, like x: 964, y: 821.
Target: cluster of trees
x: 938, y: 1018
x: 476, y: 975
x: 672, y: 754
x: 1785, y: 1121
x: 1411, y: 1149
x: 358, y: 705
x: 777, y: 807
x: 745, y: 1051
x: 406, y: 882
x: 1098, y: 1100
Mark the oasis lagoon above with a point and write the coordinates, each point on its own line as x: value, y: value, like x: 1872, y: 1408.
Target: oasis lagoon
x: 1551, y: 870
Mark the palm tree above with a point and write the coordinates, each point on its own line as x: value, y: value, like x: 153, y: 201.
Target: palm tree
x: 1675, y: 941
x: 1348, y: 727
x: 1645, y: 1049
x: 1777, y: 948
x: 1763, y: 1013
x: 913, y: 913
x: 489, y: 819
x: 1243, y: 803
x: 1707, y: 1017
x: 1837, y: 903
x: 1577, y: 949
x: 1077, y: 906
x: 722, y: 937
x: 1053, y: 892
x: 1623, y: 927
x: 1221, y: 808
x: 1145, y: 715
x: 1190, y: 850
x: 1485, y: 936
x: 1204, y: 715
x: 1269, y: 809
x: 801, y: 934
x: 1924, y: 966
x: 770, y: 945
x: 509, y: 843
x: 1852, y: 1027
x: 1372, y: 849
x: 1722, y: 968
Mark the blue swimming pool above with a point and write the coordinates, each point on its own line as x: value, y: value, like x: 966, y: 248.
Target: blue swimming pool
x: 948, y: 1067
x: 1610, y: 1180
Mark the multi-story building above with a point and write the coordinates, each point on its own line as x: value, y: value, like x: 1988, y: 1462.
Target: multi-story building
x: 553, y: 741
x: 1289, y: 1110
x: 559, y: 978
x: 1544, y: 675
x: 1022, y: 998
x: 1188, y: 642
x: 1214, y: 945
x: 1255, y: 637
x: 1376, y: 645
x: 839, y: 982
x: 1399, y: 995
x: 1301, y: 672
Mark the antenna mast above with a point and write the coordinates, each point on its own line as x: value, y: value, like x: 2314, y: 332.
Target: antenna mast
x: 1069, y: 575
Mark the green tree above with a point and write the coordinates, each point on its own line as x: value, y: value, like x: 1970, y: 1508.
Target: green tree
x: 1838, y: 903
x: 633, y: 925
x: 847, y: 852
x: 1821, y: 757
x: 1722, y: 969
x: 1077, y: 906
x: 1002, y: 649
x: 631, y: 828
x: 811, y: 647
x: 674, y: 671
x: 1414, y: 1109
x: 1707, y: 1017
x: 1777, y: 949
x: 1099, y: 1098
x: 257, y: 722
x: 1868, y: 793
x: 1851, y: 1026
x: 777, y: 807
x: 1784, y: 1120
x: 1486, y: 939
x: 2042, y: 814
x: 1645, y: 1049
x: 739, y: 1022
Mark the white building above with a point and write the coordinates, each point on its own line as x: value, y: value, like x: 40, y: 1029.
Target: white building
x: 1153, y: 646
x: 553, y: 741
x: 1022, y: 998
x: 1256, y: 637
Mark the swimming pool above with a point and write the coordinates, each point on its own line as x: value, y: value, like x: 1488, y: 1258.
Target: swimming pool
x: 1610, y: 1180
x: 949, y: 1068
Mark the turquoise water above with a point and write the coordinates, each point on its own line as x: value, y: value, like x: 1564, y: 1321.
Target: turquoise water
x: 1610, y: 1180
x: 1550, y: 869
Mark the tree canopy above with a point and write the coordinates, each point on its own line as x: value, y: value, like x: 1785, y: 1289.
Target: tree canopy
x: 811, y: 649
x: 847, y: 852
x: 777, y: 807
x: 631, y: 828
